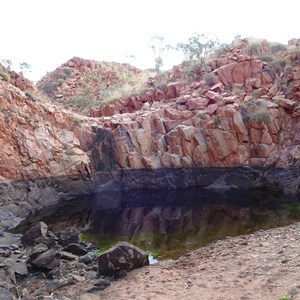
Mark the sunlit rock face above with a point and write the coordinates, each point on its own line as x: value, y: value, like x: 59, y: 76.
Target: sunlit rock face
x: 155, y: 139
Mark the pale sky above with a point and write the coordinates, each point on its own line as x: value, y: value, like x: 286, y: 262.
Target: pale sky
x: 47, y: 33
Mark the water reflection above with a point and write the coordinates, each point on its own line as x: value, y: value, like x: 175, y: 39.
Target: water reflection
x: 170, y: 223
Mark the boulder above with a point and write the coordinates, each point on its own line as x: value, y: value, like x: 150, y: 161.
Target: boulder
x: 286, y: 103
x: 37, y: 250
x: 76, y: 249
x: 68, y: 236
x: 121, y: 257
x: 6, y: 295
x: 40, y: 229
x: 86, y: 259
x: 49, y: 259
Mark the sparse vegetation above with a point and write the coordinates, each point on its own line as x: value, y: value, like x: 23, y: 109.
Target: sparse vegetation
x: 276, y: 47
x: 278, y: 64
x: 70, y: 152
x: 256, y: 110
x: 238, y: 91
x: 104, y: 83
x: 217, y: 120
x: 4, y: 76
x: 201, y: 115
x: 266, y: 58
x: 254, y: 49
x: 210, y: 79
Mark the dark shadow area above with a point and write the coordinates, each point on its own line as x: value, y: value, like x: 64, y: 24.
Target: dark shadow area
x: 169, y: 222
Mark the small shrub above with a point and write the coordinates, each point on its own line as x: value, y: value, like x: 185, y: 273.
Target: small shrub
x: 60, y: 81
x: 67, y: 71
x: 30, y: 96
x: 266, y: 58
x: 256, y: 110
x: 77, y: 121
x: 198, y: 92
x: 238, y: 91
x: 276, y: 47
x: 278, y: 64
x: 217, y: 120
x: 255, y: 93
x: 210, y: 79
x: 202, y: 115
x: 287, y: 69
x: 50, y: 87
x: 4, y: 76
x: 293, y: 51
x: 70, y: 152
x: 254, y: 48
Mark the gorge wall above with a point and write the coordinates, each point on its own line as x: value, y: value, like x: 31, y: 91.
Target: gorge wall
x: 180, y: 135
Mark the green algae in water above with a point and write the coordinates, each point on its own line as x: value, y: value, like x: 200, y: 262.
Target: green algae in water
x: 103, y: 242
x: 171, y: 245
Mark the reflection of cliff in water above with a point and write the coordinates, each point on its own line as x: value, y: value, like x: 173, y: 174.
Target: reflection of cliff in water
x: 171, y: 222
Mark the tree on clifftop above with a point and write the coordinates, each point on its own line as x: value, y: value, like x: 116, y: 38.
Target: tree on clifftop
x: 158, y: 47
x: 26, y: 67
x: 197, y: 47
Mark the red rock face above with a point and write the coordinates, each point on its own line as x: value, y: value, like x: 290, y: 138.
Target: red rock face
x: 177, y: 126
x: 36, y: 138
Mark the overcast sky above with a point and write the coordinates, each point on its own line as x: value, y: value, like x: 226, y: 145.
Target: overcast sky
x: 46, y: 33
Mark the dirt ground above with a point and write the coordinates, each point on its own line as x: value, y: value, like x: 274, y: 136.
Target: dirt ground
x: 264, y: 265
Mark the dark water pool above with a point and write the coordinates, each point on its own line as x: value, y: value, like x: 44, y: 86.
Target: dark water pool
x: 169, y: 223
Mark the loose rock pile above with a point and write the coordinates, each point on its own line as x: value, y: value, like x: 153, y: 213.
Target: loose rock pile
x: 41, y: 264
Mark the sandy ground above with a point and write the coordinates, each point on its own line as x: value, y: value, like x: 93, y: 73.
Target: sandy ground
x: 263, y: 265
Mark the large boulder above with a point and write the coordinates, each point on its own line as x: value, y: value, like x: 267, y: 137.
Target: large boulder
x: 76, y: 249
x: 68, y: 236
x: 49, y: 260
x: 40, y: 229
x: 121, y: 258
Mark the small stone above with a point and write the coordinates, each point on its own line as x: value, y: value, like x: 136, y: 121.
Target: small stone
x: 102, y: 283
x: 25, y: 293
x: 88, y: 258
x: 77, y: 278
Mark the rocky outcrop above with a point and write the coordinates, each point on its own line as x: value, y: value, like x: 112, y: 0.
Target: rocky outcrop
x: 42, y: 271
x: 55, y: 154
x: 37, y: 138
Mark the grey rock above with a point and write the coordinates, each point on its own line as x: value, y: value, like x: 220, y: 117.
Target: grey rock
x: 68, y: 256
x: 102, y: 283
x: 54, y: 273
x: 20, y: 268
x: 121, y: 257
x: 37, y: 250
x: 40, y: 229
x: 88, y: 258
x: 3, y: 284
x: 47, y: 260
x: 7, y: 274
x: 68, y: 236
x: 56, y: 284
x: 49, y: 241
x: 80, y: 265
x: 6, y: 295
x: 76, y: 249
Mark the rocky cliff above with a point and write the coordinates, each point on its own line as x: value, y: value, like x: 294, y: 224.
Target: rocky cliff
x: 244, y: 116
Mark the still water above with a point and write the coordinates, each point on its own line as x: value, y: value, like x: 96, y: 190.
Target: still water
x: 169, y: 223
